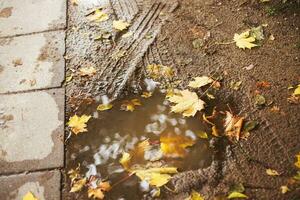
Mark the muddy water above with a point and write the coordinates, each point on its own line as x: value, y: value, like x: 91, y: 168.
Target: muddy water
x: 114, y: 131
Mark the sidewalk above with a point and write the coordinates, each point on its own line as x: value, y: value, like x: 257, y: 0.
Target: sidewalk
x: 32, y: 99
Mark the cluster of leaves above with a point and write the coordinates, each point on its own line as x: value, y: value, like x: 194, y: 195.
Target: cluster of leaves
x: 96, y: 187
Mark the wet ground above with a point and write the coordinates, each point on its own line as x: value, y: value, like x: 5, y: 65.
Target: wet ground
x: 115, y: 131
x: 273, y: 144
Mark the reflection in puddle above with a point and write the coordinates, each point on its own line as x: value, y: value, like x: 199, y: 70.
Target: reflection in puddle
x: 114, y: 131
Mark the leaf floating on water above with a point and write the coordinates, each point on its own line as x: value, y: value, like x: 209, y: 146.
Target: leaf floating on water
x: 284, y: 189
x: 272, y: 172
x: 156, y: 176
x: 98, y: 16
x: 187, y: 103
x: 234, y: 195
x: 78, y: 184
x: 120, y: 25
x: 200, y: 81
x: 29, y: 196
x: 87, y: 71
x: 173, y: 145
x: 98, y: 192
x: 244, y: 40
x: 129, y: 105
x: 103, y: 107
x: 78, y: 124
x: 129, y: 159
x: 233, y: 126
x: 146, y: 94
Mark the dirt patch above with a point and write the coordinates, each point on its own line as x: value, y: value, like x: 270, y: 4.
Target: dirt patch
x: 202, y: 24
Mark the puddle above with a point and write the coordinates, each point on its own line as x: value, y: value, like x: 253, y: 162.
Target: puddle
x: 114, y: 131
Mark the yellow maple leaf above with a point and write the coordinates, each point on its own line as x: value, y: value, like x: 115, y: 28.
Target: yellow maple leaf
x: 78, y: 184
x: 29, y: 196
x: 103, y: 107
x: 272, y: 172
x: 74, y: 173
x: 120, y: 25
x: 87, y: 71
x: 156, y: 176
x: 187, y: 103
x: 233, y: 126
x: 244, y: 40
x: 129, y: 105
x: 173, y: 145
x: 297, y: 163
x: 200, y: 81
x: 78, y: 124
x: 98, y: 16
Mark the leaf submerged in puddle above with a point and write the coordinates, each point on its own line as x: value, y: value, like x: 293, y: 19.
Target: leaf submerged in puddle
x: 129, y: 105
x: 187, y: 103
x: 78, y: 124
x: 175, y: 145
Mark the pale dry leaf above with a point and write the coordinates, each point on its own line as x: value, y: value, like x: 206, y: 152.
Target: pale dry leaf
x: 120, y: 25
x: 244, y: 40
x: 284, y: 189
x: 200, y: 81
x: 233, y: 126
x: 186, y: 102
x: 272, y: 172
x: 87, y: 71
x: 98, y: 16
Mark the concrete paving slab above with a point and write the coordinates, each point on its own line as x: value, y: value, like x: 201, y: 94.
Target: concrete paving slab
x: 32, y: 62
x: 27, y: 16
x: 43, y: 185
x: 31, y: 131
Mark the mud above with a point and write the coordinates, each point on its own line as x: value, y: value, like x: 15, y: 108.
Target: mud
x: 273, y: 144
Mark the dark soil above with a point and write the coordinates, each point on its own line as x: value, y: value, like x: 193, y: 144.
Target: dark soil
x: 273, y: 144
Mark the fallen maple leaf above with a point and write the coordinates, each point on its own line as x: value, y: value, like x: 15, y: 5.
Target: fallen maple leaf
x: 29, y: 196
x: 187, y: 103
x: 195, y: 196
x: 272, y: 172
x: 129, y: 105
x: 156, y: 176
x: 120, y: 25
x: 233, y: 126
x: 74, y: 173
x: 87, y: 71
x: 78, y: 184
x: 129, y: 159
x: 98, y: 192
x: 173, y: 145
x: 158, y: 71
x: 244, y: 40
x: 200, y: 81
x: 297, y: 163
x: 98, y: 16
x: 284, y: 189
x: 103, y: 107
x: 78, y: 124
